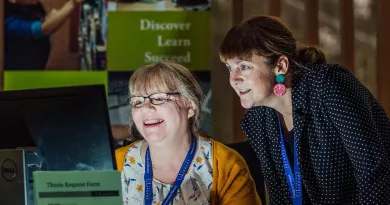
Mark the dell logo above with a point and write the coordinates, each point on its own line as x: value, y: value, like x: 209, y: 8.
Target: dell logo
x: 8, y: 170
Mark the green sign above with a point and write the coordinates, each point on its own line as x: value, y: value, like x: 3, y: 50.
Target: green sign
x: 137, y: 38
x: 20, y: 80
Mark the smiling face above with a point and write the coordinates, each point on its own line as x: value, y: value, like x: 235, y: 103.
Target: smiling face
x: 252, y: 80
x: 169, y: 102
x: 157, y: 122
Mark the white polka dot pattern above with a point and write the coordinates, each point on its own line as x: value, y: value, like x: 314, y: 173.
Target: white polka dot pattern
x: 342, y: 140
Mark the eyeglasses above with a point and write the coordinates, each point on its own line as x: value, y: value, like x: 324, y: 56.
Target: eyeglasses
x: 155, y: 99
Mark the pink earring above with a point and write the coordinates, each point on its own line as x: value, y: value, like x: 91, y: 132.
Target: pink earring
x: 279, y: 88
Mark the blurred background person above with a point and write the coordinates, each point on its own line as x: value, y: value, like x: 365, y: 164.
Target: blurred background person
x: 27, y: 32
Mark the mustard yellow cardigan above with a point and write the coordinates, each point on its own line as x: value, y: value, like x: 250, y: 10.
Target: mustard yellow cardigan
x: 232, y: 181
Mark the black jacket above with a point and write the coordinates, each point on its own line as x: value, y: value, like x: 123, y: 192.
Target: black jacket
x: 343, y: 140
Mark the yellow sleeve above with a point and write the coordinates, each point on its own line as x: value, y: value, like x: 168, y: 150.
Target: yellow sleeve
x: 120, y: 155
x: 232, y: 181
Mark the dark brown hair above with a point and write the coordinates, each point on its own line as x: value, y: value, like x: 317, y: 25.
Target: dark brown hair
x: 310, y: 55
x: 269, y: 37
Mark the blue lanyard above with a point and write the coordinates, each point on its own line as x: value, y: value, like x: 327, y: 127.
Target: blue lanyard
x: 179, y: 179
x: 294, y: 183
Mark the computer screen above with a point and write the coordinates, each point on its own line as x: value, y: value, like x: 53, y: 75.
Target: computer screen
x: 69, y: 127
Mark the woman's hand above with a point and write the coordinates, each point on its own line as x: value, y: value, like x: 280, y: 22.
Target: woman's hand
x: 56, y: 18
x: 52, y: 12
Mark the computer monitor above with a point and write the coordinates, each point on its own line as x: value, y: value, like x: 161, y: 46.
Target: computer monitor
x: 69, y: 126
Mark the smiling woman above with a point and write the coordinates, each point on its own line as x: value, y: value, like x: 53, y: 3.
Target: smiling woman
x: 307, y: 120
x: 166, y: 107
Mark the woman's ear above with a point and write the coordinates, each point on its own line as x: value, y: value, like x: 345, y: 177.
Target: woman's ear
x: 282, y: 65
x: 190, y: 106
x: 191, y: 112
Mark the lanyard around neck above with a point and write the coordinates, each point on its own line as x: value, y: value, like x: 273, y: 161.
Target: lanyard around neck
x: 179, y: 179
x: 294, y: 182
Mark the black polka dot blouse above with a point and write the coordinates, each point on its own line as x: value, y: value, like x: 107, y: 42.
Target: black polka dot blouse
x: 342, y: 135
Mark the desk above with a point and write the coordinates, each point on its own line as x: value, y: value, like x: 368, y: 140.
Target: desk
x: 165, y: 5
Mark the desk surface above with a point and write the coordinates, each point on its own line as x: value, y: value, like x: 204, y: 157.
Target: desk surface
x: 165, y: 5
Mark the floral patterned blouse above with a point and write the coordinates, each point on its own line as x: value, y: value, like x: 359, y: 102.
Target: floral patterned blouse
x: 196, y: 186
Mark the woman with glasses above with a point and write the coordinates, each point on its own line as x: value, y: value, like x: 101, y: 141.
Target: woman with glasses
x: 170, y: 163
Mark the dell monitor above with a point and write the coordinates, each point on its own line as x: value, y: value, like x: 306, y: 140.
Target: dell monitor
x: 68, y: 127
